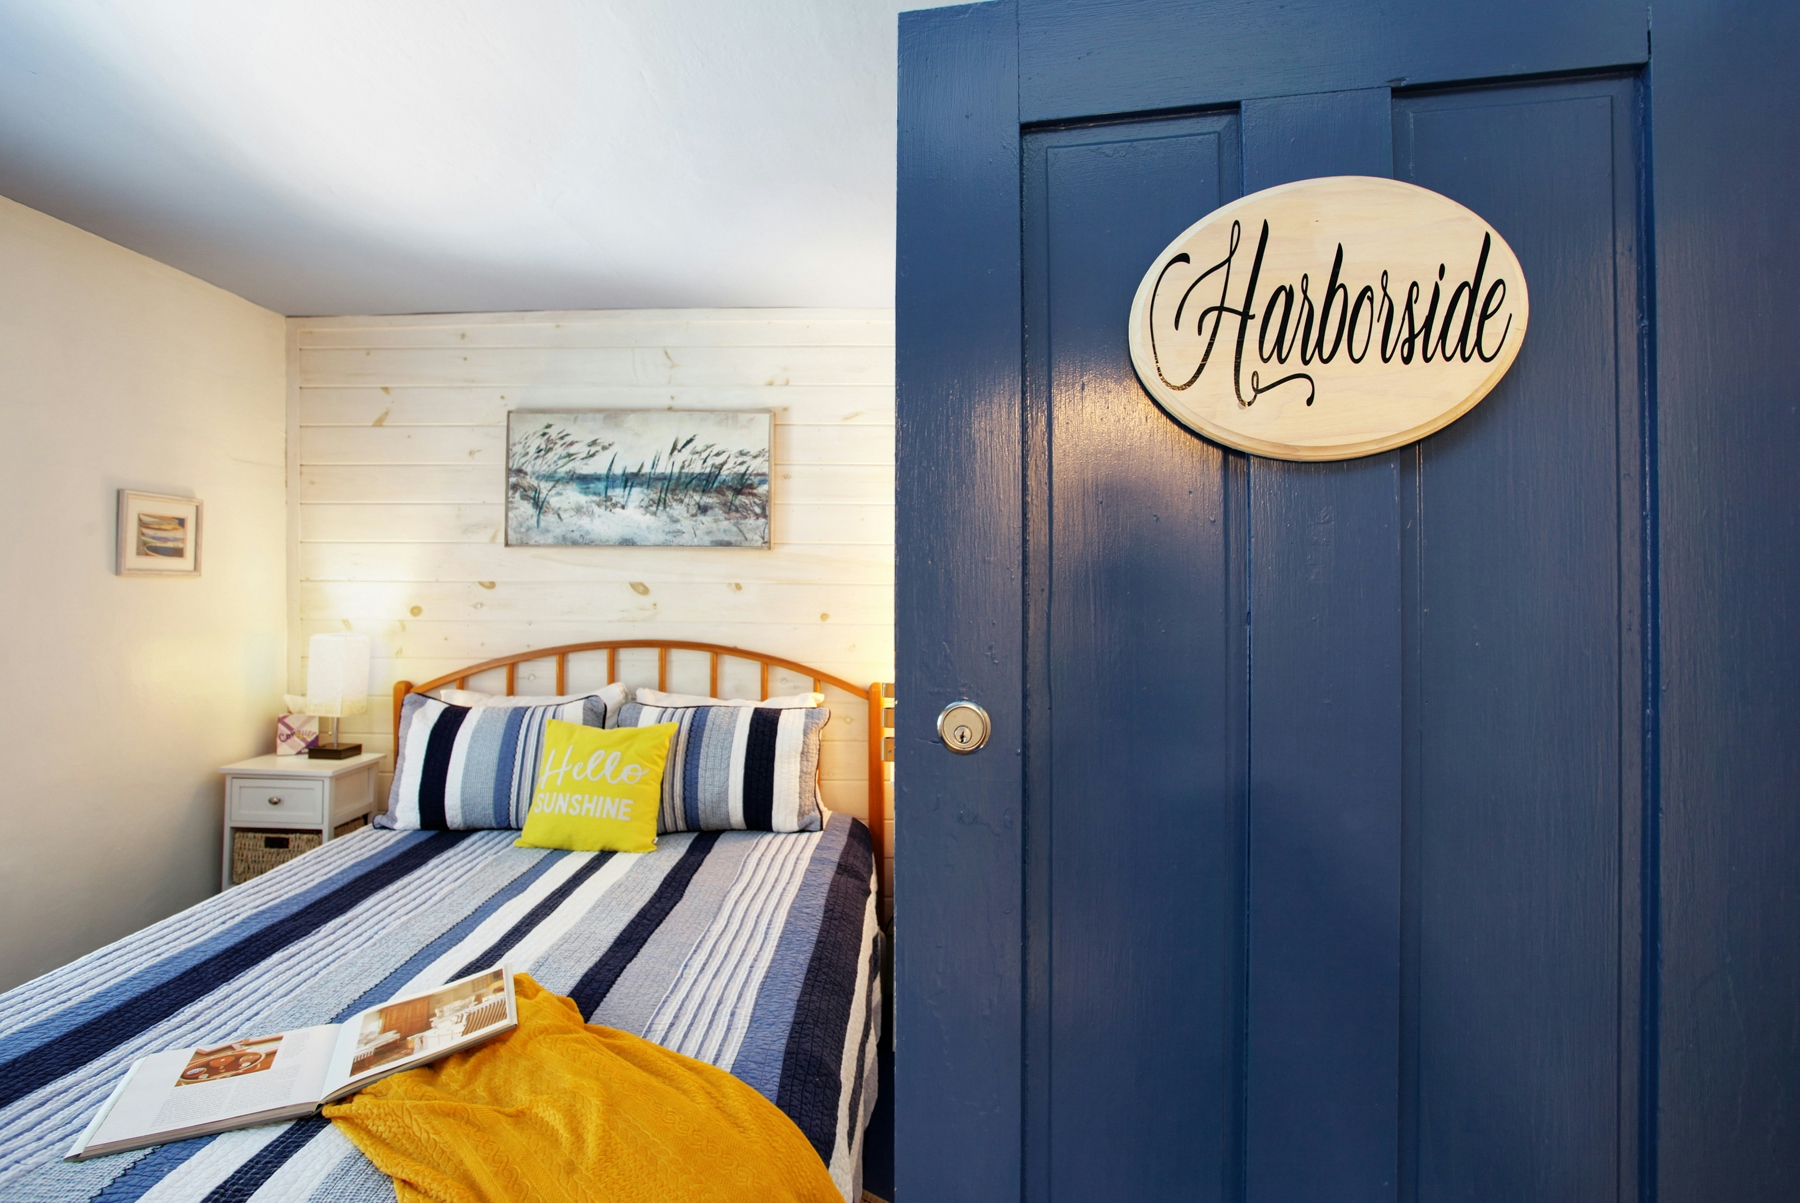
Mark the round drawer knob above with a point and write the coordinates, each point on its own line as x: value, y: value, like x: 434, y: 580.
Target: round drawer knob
x: 275, y: 801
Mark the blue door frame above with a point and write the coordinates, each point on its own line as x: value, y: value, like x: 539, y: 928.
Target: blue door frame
x: 1707, y: 869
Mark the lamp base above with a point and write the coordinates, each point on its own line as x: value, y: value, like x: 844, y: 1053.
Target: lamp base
x: 333, y: 751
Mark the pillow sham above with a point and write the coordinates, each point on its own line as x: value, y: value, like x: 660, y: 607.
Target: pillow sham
x: 794, y: 701
x: 463, y: 768
x: 737, y: 768
x: 597, y: 791
x: 614, y: 695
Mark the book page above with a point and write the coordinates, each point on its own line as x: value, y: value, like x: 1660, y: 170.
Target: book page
x: 178, y: 1091
x: 406, y: 1032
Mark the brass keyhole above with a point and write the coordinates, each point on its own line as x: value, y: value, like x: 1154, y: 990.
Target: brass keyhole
x: 963, y: 726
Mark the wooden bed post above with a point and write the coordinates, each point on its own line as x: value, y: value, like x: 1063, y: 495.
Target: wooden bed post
x: 401, y: 689
x: 878, y: 757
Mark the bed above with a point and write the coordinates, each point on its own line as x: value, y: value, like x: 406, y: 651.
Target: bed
x: 757, y: 952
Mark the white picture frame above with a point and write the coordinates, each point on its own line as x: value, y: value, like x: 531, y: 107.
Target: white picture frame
x: 158, y: 535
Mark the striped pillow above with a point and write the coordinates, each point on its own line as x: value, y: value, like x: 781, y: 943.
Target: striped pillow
x: 737, y: 768
x: 460, y: 768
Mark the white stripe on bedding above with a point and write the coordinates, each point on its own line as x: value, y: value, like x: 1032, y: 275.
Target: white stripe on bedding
x: 495, y: 925
x: 790, y: 741
x: 740, y: 740
x: 406, y: 786
x: 196, y: 1177
x: 302, y: 1173
x: 859, y: 1060
x: 557, y: 924
x: 707, y: 1008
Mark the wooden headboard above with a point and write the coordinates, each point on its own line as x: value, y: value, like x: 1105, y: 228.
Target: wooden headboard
x: 879, y: 697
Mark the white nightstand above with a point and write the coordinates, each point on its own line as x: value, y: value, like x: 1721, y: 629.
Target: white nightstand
x: 294, y: 793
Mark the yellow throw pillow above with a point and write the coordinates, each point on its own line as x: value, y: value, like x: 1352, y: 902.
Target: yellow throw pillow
x: 598, y: 790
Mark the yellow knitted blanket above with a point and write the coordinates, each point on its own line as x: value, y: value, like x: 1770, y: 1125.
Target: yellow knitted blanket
x: 561, y: 1110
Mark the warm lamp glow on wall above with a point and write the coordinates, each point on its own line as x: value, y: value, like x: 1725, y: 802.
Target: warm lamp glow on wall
x: 337, y: 685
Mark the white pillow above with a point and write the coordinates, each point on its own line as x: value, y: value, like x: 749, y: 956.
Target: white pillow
x: 793, y: 701
x: 614, y: 695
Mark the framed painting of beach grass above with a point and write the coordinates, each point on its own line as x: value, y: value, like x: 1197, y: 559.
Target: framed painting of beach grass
x: 158, y: 536
x: 638, y: 478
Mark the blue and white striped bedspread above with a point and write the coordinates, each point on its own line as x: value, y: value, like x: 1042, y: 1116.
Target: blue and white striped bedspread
x: 756, y: 952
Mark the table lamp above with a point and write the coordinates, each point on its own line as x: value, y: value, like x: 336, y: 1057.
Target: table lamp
x: 337, y: 685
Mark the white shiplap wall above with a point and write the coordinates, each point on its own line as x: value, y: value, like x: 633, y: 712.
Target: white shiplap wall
x: 396, y: 463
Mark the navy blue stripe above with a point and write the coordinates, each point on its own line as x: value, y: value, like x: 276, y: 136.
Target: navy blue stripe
x: 870, y: 997
x: 435, y: 771
x: 493, y: 954
x: 759, y: 768
x: 150, y: 1169
x: 114, y: 1026
x: 248, y: 1178
x: 384, y: 989
x: 601, y: 976
x: 812, y: 1065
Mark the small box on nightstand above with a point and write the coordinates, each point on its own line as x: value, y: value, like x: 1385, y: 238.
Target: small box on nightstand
x: 309, y: 802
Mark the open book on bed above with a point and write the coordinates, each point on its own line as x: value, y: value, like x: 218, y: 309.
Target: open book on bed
x: 264, y: 1079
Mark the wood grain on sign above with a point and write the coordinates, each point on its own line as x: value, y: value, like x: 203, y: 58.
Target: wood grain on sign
x: 1329, y: 318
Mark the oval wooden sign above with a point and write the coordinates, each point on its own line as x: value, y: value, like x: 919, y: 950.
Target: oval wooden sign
x: 1329, y: 318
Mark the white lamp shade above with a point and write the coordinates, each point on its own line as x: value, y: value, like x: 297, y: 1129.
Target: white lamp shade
x: 337, y: 675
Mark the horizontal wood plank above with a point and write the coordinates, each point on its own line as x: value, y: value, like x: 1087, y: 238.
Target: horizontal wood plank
x: 796, y: 484
x: 474, y: 522
x: 493, y: 562
x: 512, y: 317
x: 486, y: 405
x: 475, y: 641
x: 768, y: 366
x: 631, y: 330
x: 650, y: 600
x: 824, y: 445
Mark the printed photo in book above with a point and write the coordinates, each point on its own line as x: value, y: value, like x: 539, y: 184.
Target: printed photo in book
x: 265, y: 1079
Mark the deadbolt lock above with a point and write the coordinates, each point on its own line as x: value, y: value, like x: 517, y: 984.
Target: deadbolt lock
x: 963, y: 726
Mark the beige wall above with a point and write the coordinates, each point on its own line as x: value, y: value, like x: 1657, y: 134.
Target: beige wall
x: 397, y: 471
x: 123, y: 694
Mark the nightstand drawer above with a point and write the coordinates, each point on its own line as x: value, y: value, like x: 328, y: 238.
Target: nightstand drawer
x: 277, y: 800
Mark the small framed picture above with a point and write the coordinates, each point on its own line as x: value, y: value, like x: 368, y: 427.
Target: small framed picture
x: 158, y: 536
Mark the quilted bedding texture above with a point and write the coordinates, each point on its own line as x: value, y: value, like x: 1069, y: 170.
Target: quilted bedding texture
x: 758, y: 953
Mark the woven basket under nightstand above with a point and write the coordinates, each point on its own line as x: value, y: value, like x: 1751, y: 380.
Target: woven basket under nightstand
x: 254, y: 853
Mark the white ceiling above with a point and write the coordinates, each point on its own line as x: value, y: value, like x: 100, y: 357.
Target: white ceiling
x: 401, y: 156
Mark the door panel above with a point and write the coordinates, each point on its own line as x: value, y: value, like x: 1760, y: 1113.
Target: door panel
x: 1323, y: 1057
x: 1214, y: 819
x: 1135, y: 934
x: 1526, y: 667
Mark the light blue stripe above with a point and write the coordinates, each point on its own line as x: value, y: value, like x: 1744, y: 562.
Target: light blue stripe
x: 765, y: 1044
x: 23, y: 1039
x: 381, y: 990
x: 500, y: 803
x: 473, y: 803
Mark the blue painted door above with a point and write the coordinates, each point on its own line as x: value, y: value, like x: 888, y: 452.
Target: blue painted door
x: 1315, y: 855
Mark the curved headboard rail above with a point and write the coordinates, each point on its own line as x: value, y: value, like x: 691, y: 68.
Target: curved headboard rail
x: 879, y: 697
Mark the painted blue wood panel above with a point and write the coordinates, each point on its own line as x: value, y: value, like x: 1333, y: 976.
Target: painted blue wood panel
x: 1135, y: 798
x: 1080, y: 58
x: 958, y: 939
x: 1525, y: 668
x: 1727, y: 137
x: 1323, y: 1059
